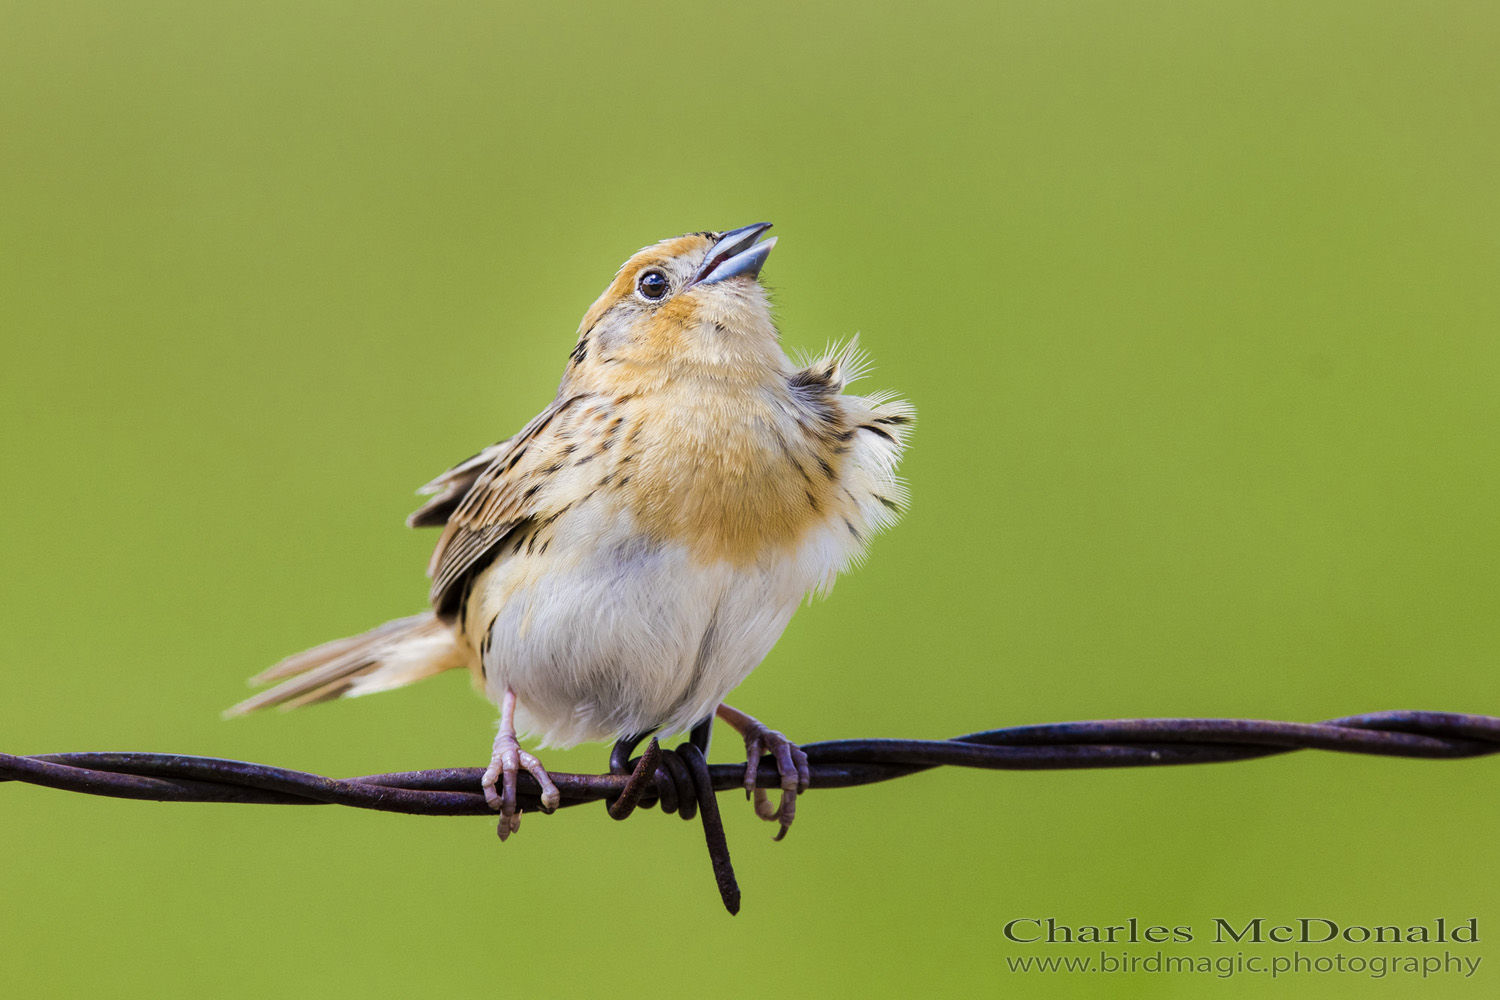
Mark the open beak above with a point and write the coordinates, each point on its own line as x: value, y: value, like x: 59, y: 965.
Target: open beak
x: 735, y: 253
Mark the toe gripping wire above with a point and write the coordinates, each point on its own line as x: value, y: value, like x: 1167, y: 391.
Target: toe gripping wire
x: 680, y: 781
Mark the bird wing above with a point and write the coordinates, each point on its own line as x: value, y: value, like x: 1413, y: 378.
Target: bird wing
x: 449, y: 489
x: 484, y: 499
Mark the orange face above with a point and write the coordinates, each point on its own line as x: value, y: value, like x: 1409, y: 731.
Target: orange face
x: 691, y: 304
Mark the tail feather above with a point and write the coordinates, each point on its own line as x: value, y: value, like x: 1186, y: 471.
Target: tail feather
x: 389, y: 656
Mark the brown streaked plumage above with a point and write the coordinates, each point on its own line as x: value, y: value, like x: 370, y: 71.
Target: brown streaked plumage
x: 623, y: 562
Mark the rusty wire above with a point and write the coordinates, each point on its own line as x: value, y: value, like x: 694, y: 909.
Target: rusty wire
x: 681, y: 781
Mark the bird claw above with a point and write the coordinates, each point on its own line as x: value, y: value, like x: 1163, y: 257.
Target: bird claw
x: 791, y: 764
x: 506, y: 763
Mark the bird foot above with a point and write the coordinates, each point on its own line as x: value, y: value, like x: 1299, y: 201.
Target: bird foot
x: 506, y: 762
x: 791, y: 764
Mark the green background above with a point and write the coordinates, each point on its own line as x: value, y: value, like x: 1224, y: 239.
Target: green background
x: 1198, y: 307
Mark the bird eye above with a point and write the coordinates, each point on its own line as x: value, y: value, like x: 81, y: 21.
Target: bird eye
x: 652, y: 285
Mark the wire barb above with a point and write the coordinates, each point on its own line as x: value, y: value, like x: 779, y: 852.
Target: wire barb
x: 682, y: 781
x: 640, y: 777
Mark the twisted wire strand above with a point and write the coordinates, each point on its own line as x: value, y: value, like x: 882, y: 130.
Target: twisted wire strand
x: 682, y: 781
x: 834, y: 764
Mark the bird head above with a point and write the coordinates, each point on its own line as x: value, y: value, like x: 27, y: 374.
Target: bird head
x: 691, y: 304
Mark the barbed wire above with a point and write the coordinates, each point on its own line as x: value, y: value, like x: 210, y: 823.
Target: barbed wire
x: 682, y: 781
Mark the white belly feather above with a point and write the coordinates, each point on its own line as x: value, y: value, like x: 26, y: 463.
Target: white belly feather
x: 632, y: 636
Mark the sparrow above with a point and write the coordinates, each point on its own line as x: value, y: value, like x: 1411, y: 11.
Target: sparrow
x: 619, y: 566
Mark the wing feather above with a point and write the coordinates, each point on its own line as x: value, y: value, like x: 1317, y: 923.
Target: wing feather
x: 449, y: 489
x: 483, y: 500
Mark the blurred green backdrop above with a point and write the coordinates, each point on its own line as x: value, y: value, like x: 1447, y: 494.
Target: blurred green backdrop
x: 1197, y: 303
